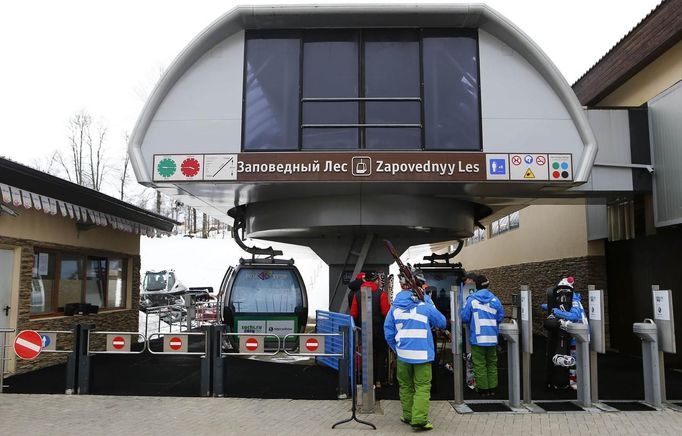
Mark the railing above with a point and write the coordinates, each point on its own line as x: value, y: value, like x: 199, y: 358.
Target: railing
x: 3, y: 358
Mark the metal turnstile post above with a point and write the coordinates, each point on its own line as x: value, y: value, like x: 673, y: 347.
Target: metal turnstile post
x: 457, y: 350
x: 646, y: 331
x: 367, y: 405
x: 581, y: 333
x: 526, y: 333
x: 510, y: 332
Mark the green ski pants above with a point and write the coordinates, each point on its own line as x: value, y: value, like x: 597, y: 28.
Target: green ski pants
x: 415, y: 390
x: 485, y: 366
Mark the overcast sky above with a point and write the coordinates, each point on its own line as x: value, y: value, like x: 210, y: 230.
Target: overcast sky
x: 59, y: 57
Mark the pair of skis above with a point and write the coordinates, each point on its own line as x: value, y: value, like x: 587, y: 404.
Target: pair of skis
x: 406, y: 271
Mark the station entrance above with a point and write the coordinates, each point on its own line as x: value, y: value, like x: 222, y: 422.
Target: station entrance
x: 340, y: 152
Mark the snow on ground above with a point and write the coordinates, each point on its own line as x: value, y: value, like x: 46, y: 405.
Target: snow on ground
x: 203, y: 262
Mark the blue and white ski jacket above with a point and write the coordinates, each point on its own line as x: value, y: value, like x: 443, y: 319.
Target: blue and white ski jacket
x: 483, y: 311
x: 576, y: 314
x: 408, y: 325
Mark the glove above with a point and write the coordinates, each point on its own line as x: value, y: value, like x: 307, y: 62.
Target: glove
x: 543, y: 306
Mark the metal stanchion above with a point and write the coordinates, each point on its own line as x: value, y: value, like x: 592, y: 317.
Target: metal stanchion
x: 354, y: 403
x: 368, y: 399
x: 343, y: 364
x: 457, y: 351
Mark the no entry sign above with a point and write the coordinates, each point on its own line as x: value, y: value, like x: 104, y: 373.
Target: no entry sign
x: 313, y: 344
x: 28, y: 344
x: 250, y: 344
x: 175, y: 343
x: 118, y: 343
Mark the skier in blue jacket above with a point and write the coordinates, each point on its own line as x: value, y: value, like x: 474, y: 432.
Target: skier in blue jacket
x: 408, y: 332
x: 575, y: 314
x: 483, y: 311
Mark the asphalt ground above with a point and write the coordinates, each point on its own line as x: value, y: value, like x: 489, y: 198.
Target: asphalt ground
x: 620, y: 378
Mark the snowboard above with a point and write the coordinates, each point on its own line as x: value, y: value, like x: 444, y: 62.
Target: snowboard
x: 470, y: 377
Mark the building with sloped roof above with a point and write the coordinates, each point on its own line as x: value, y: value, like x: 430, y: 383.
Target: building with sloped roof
x: 68, y: 254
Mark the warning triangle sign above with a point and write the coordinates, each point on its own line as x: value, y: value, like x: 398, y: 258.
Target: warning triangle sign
x: 529, y: 174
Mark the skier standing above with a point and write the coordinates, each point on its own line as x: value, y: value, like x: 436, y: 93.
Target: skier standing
x: 483, y: 311
x: 408, y: 332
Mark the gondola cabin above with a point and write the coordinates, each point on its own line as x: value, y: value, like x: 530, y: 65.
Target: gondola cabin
x: 441, y: 277
x: 264, y: 296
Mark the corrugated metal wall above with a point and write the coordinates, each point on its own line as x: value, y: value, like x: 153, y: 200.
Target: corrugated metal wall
x: 665, y: 121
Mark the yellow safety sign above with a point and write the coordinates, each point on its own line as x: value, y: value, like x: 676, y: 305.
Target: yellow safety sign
x: 529, y: 174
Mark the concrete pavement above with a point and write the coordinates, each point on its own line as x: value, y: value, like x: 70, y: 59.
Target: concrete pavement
x: 121, y: 415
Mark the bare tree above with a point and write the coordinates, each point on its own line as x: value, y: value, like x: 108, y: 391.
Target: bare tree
x: 124, y: 171
x: 97, y: 161
x: 84, y: 162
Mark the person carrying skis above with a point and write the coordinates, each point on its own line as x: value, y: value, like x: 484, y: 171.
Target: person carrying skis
x: 483, y: 311
x: 408, y: 332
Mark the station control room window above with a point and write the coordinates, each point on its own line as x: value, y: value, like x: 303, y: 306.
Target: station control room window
x: 387, y: 89
x: 60, y: 278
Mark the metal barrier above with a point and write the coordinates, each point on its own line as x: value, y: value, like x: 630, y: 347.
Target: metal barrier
x: 55, y: 332
x: 195, y: 353
x: 117, y: 341
x: 171, y: 315
x: 312, y: 344
x: 3, y: 359
x: 332, y: 322
x: 253, y: 346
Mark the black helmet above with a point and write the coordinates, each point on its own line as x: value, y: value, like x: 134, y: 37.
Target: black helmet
x: 371, y: 276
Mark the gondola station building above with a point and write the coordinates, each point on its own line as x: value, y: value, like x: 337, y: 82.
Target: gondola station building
x: 335, y: 127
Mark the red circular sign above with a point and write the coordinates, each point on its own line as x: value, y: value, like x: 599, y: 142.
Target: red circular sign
x: 556, y: 174
x: 311, y: 344
x: 118, y: 342
x: 251, y: 344
x: 175, y: 343
x: 540, y: 160
x: 189, y: 167
x: 28, y: 344
x: 516, y: 160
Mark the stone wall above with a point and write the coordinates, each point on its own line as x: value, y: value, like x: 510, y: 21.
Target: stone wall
x: 107, y: 320
x: 587, y: 270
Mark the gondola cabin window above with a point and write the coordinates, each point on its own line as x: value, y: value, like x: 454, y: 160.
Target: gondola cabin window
x: 262, y: 290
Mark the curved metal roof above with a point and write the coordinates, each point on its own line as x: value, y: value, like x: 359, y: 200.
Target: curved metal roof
x: 359, y: 16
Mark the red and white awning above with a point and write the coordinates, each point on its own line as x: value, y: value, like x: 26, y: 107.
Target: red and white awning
x: 21, y: 197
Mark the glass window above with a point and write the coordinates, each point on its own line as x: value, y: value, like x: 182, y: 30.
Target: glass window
x: 330, y: 70
x: 271, y: 92
x: 414, y: 88
x: 260, y: 290
x: 59, y: 279
x: 116, y: 283
x: 95, y: 281
x: 391, y: 64
x: 451, y: 104
x: 514, y: 220
x: 42, y: 283
x: 504, y: 224
x: 495, y: 228
x: 70, y: 280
